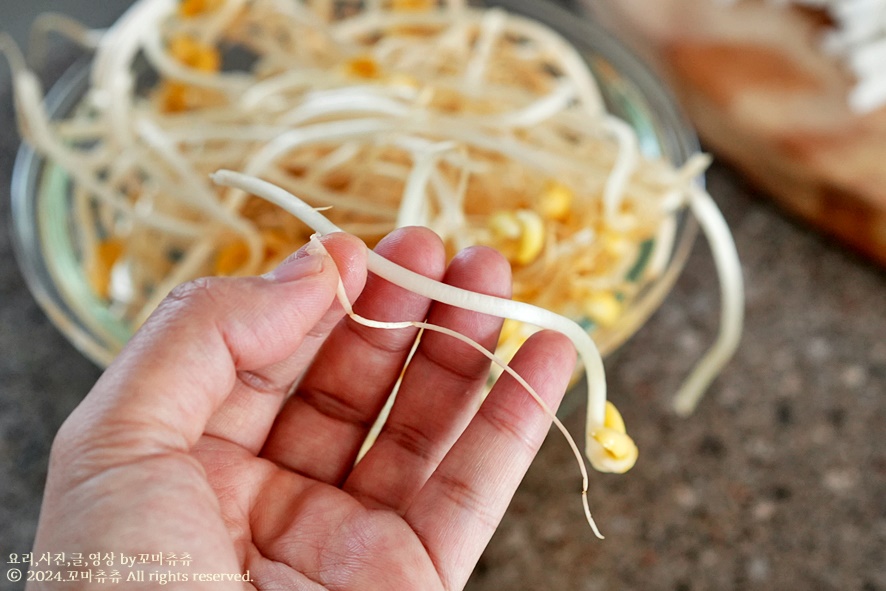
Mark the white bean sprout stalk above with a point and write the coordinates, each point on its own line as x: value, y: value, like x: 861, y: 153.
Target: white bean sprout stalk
x: 731, y: 307
x: 607, y: 446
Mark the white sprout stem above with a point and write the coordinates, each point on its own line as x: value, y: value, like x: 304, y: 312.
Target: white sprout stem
x: 83, y: 213
x: 540, y: 110
x: 112, y: 80
x: 663, y: 248
x: 120, y: 168
x: 732, y: 302
x: 454, y: 129
x: 327, y: 132
x: 414, y: 206
x: 74, y: 131
x: 10, y: 50
x: 444, y: 127
x: 450, y: 202
x: 441, y: 292
x: 454, y: 39
x: 491, y: 26
x: 625, y: 164
x: 676, y: 197
x: 333, y: 103
x: 119, y: 109
x: 339, y: 157
x: 209, y: 132
x: 289, y: 80
x: 120, y: 45
x: 393, y: 170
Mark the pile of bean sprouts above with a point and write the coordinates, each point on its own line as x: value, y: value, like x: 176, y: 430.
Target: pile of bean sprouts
x: 482, y: 125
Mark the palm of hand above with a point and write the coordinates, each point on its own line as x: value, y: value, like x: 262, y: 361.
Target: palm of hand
x: 258, y: 480
x: 310, y: 534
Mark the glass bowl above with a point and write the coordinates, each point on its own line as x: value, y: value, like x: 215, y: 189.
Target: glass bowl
x: 45, y: 236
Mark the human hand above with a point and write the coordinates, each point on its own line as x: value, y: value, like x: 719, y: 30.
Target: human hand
x: 191, y: 441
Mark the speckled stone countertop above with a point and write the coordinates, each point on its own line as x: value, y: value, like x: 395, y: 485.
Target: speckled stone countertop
x: 777, y: 482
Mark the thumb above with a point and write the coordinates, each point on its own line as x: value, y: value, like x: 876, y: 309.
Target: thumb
x: 161, y: 390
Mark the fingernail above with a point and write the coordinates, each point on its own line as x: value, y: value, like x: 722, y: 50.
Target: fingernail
x: 298, y: 266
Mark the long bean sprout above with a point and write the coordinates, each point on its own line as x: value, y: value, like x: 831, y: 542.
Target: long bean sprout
x: 346, y: 304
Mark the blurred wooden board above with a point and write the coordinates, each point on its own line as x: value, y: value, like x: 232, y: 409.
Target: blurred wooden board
x: 765, y: 98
